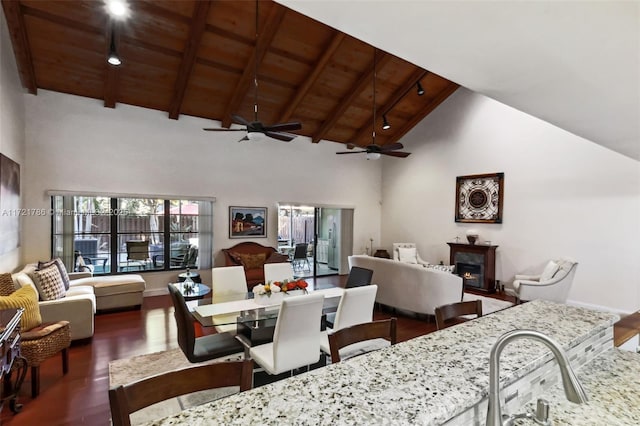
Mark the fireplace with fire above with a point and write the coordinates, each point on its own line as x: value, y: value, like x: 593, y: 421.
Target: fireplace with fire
x: 475, y: 263
x: 471, y: 274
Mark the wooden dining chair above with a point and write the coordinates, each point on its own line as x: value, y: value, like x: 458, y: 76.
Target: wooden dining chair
x: 129, y: 398
x: 198, y: 349
x: 343, y: 343
x: 446, y: 313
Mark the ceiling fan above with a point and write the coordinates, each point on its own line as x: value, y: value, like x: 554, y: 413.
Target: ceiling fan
x: 256, y: 129
x: 373, y: 150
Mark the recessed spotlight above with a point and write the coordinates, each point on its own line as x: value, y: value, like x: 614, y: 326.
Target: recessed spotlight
x: 117, y: 8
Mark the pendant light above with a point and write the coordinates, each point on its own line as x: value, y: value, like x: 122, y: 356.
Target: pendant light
x: 374, y: 155
x: 113, y: 57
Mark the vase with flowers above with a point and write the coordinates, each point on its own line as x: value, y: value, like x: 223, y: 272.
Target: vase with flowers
x: 272, y: 293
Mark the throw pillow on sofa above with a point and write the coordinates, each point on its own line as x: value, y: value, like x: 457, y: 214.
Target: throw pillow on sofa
x: 27, y: 298
x: 6, y: 284
x: 49, y: 283
x: 444, y: 268
x: 407, y: 254
x: 61, y: 268
x: 250, y: 261
x: 550, y: 271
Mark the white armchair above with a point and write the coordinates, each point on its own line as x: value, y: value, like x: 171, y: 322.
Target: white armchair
x: 552, y: 284
x: 407, y: 252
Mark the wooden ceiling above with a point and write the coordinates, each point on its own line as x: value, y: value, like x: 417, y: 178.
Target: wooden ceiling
x: 199, y: 57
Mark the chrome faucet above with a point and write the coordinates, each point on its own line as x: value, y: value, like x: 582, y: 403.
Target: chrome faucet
x: 572, y: 387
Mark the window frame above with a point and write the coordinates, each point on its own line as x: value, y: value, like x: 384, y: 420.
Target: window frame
x: 64, y: 231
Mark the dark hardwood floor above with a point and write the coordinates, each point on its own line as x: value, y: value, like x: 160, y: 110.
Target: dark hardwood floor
x: 80, y: 397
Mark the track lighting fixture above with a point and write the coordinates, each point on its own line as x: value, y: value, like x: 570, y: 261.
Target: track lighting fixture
x: 385, y: 123
x: 420, y: 89
x: 113, y: 57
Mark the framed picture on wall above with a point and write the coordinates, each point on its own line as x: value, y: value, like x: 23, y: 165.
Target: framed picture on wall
x: 9, y: 204
x: 247, y: 222
x: 479, y: 198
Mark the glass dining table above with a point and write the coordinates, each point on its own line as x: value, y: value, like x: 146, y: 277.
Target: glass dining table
x: 254, y: 319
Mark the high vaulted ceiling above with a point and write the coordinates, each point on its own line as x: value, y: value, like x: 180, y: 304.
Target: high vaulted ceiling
x: 199, y: 57
x: 574, y: 64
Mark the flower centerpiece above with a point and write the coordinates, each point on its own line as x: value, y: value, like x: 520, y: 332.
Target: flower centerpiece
x: 273, y: 292
x: 288, y: 286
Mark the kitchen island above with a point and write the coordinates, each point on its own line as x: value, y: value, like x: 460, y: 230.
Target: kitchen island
x: 439, y: 378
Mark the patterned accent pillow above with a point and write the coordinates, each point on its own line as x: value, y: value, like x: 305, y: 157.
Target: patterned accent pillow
x: 26, y: 298
x: 251, y: 261
x: 6, y: 285
x: 443, y: 268
x: 49, y: 283
x: 60, y: 265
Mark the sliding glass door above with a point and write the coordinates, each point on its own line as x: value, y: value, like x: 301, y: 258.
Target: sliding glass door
x: 317, y: 239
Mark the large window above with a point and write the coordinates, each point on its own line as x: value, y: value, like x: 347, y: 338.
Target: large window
x: 121, y: 234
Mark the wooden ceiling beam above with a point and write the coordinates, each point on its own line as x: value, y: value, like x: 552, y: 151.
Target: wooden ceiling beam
x: 365, y: 80
x: 111, y: 72
x: 150, y: 46
x: 61, y: 20
x: 304, y: 88
x: 198, y: 23
x: 260, y: 49
x: 20, y: 41
x: 426, y: 110
x: 400, y: 93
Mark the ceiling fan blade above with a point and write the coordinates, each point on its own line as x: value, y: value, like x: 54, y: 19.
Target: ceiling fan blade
x: 392, y: 147
x: 224, y: 130
x: 283, y: 127
x: 396, y: 154
x: 246, y: 138
x: 239, y: 120
x: 286, y: 137
x: 351, y: 152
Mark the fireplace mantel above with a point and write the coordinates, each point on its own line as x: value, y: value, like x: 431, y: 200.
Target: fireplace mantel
x: 482, y: 255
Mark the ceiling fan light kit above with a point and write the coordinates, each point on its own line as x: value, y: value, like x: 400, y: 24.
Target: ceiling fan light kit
x: 373, y: 155
x: 419, y: 88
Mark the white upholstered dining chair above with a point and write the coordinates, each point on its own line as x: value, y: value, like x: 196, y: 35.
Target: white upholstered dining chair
x: 226, y: 280
x: 296, y: 339
x: 355, y: 307
x: 277, y: 272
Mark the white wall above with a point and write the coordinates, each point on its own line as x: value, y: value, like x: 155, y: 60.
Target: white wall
x: 564, y: 196
x: 76, y: 144
x: 11, y: 122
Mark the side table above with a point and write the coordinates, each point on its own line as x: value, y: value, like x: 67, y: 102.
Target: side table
x: 194, y: 276
x: 193, y: 293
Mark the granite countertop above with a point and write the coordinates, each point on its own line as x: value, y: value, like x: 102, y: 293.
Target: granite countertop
x: 612, y: 383
x: 426, y: 380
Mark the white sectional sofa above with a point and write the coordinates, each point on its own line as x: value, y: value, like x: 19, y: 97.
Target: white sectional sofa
x: 411, y: 287
x: 85, y: 296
